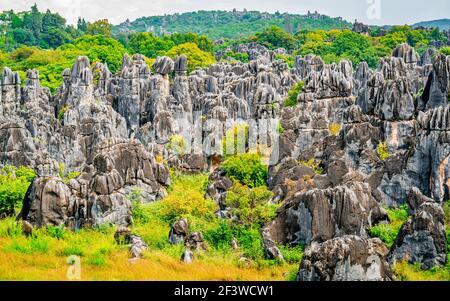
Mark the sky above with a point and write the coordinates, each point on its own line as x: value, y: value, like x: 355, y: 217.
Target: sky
x: 376, y: 12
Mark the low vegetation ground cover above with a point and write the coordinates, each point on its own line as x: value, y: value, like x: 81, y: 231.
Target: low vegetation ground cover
x: 43, y: 256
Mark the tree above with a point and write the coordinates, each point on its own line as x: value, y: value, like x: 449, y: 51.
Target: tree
x: 148, y: 44
x: 82, y: 25
x: 275, y: 37
x: 33, y: 21
x: 55, y: 37
x: 100, y: 49
x: 394, y: 39
x: 100, y: 27
x: 196, y: 57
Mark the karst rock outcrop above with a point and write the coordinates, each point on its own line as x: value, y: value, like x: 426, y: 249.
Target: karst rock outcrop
x: 358, y: 140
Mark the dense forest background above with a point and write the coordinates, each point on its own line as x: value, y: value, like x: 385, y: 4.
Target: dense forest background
x: 44, y: 41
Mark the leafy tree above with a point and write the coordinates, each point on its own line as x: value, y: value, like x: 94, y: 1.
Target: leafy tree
x: 196, y: 57
x: 82, y: 25
x: 202, y: 42
x: 100, y: 27
x: 250, y: 205
x: 275, y: 37
x: 148, y: 44
x: 14, y: 183
x: 394, y: 39
x: 99, y: 49
x: 246, y: 168
x: 445, y: 50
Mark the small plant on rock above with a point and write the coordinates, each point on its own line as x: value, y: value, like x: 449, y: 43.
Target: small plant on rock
x: 292, y: 98
x: 383, y: 151
x: 334, y: 129
x: 316, y: 165
x: 62, y: 112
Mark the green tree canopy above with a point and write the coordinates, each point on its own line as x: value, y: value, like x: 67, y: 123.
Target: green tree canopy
x: 196, y: 57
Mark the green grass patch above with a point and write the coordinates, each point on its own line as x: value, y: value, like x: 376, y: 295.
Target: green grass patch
x: 388, y: 232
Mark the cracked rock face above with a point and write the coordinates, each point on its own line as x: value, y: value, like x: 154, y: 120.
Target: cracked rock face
x: 347, y: 258
x: 373, y: 135
x: 322, y: 214
x: 422, y: 238
x: 100, y: 195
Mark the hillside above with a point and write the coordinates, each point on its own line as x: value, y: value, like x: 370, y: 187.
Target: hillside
x: 229, y: 24
x: 442, y: 24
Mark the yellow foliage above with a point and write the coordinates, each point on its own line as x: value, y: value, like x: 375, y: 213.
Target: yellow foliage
x: 334, y: 129
x: 407, y: 272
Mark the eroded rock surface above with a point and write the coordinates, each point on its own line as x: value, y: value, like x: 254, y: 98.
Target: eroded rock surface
x: 347, y: 258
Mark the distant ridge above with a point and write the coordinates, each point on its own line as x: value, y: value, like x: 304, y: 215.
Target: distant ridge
x: 442, y: 24
x: 230, y: 24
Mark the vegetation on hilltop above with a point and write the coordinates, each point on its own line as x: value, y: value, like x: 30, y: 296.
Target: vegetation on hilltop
x: 229, y: 24
x: 44, y: 42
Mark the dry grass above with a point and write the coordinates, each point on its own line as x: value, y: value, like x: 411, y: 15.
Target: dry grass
x: 156, y: 265
x: 44, y: 256
x: 408, y: 272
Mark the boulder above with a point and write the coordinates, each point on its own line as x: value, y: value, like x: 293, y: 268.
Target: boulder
x: 179, y: 232
x: 422, y: 238
x: 321, y: 214
x: 347, y: 258
x: 195, y: 242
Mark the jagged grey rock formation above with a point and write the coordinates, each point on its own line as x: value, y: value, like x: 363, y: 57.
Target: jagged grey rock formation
x: 375, y: 134
x: 100, y: 194
x: 347, y: 258
x: 195, y: 242
x: 179, y: 232
x: 137, y: 246
x: 322, y: 214
x: 422, y: 238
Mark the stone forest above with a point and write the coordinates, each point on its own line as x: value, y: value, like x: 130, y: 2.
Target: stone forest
x: 261, y: 169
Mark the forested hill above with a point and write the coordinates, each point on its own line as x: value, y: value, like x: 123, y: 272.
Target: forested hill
x: 230, y: 24
x: 442, y: 24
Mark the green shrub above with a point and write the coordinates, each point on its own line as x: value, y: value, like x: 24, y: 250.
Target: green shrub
x: 73, y: 250
x: 250, y: 205
x: 388, y: 232
x: 280, y: 129
x: 67, y: 176
x: 37, y: 244
x: 136, y: 197
x: 246, y: 168
x: 26, y: 173
x: 315, y: 165
x: 248, y: 238
x: 62, y: 112
x: 383, y: 151
x: 177, y: 144
x: 292, y: 98
x: 186, y: 198
x: 238, y: 56
x: 445, y: 50
x: 10, y: 228
x: 97, y: 259
x: 71, y: 175
x: 14, y: 183
x: 56, y: 231
x: 220, y: 236
x: 292, y: 254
